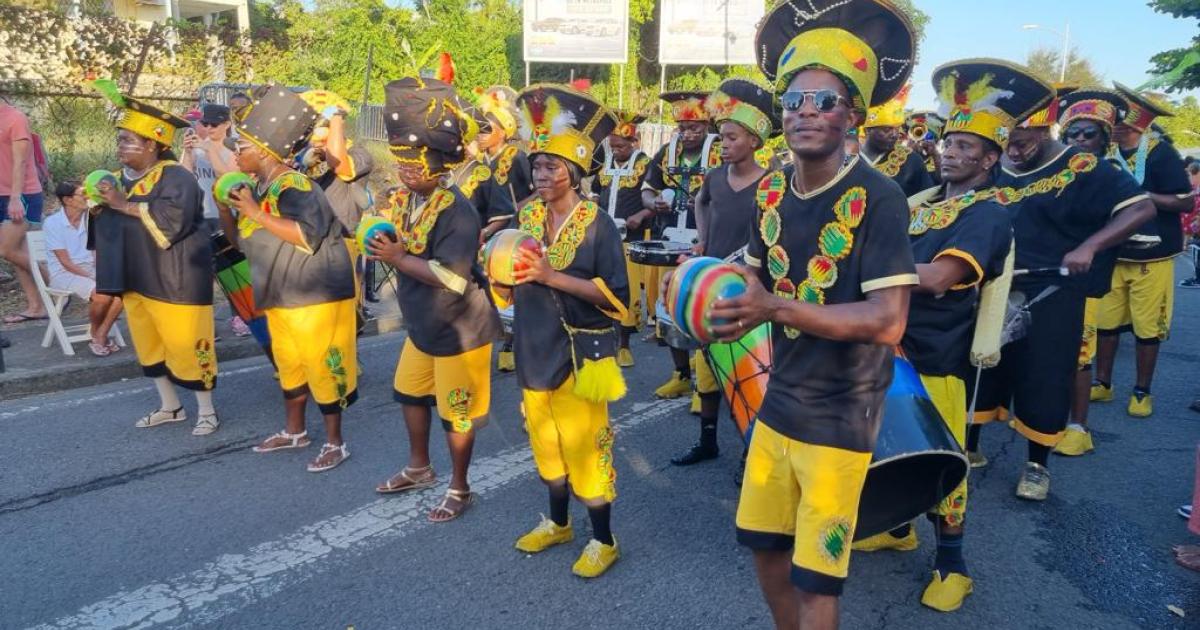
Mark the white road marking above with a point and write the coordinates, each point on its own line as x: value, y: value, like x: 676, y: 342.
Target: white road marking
x: 232, y: 582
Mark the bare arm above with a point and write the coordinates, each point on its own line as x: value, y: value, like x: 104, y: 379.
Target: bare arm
x: 20, y: 151
x: 336, y: 152
x: 70, y: 265
x: 1172, y: 203
x: 942, y: 274
x: 879, y: 319
x: 1119, y: 227
x: 395, y: 254
x: 538, y: 270
x: 285, y: 230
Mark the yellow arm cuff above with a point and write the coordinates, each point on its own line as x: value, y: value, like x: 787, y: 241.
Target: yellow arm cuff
x: 160, y: 239
x: 970, y: 260
x: 619, y: 310
x: 449, y: 279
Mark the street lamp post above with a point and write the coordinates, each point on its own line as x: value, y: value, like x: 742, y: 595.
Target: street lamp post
x: 1066, y: 54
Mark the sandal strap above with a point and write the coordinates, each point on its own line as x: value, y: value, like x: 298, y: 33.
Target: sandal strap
x: 458, y: 494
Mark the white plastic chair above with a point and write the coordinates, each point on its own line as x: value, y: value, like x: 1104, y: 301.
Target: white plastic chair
x: 55, y: 300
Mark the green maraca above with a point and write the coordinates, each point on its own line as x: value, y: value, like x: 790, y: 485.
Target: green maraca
x: 228, y: 183
x: 91, y: 185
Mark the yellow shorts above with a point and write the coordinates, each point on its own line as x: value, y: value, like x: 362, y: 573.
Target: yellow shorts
x: 802, y: 497
x: 651, y: 277
x: 1087, y: 347
x: 1141, y: 298
x: 949, y: 396
x: 173, y: 340
x: 702, y: 375
x: 316, y: 352
x: 460, y: 385
x: 571, y: 439
x: 634, y: 272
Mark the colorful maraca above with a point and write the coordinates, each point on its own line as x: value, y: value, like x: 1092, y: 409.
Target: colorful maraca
x: 91, y: 185
x: 500, y: 261
x: 696, y: 285
x: 371, y: 226
x: 228, y: 183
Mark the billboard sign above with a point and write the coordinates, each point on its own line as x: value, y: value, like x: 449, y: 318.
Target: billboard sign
x: 576, y: 31
x: 708, y: 32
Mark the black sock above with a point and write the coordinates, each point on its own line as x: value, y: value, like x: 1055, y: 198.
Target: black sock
x: 1145, y: 391
x: 973, y: 437
x: 600, y: 525
x: 949, y: 558
x: 682, y: 365
x: 559, y: 502
x: 1100, y: 382
x: 902, y: 531
x: 1038, y: 454
x: 708, y: 433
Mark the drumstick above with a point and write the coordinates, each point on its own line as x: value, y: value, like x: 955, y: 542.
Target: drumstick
x: 1062, y: 271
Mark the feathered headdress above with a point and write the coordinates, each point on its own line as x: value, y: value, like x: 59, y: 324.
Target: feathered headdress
x: 499, y: 102
x: 688, y: 105
x: 561, y: 121
x: 987, y: 97
x: 627, y: 124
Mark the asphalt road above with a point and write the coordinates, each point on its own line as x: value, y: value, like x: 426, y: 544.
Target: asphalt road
x: 107, y: 526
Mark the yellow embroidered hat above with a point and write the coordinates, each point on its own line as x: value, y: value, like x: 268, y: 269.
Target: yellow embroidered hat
x: 1098, y: 104
x: 500, y: 102
x: 627, y: 124
x: 987, y: 97
x: 1048, y: 115
x: 891, y: 113
x: 747, y: 103
x: 1141, y: 111
x: 141, y: 118
x: 687, y: 105
x: 869, y: 44
x: 564, y: 122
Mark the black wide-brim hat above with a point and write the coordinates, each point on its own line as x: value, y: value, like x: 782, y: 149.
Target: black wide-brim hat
x: 562, y: 121
x: 1140, y: 111
x: 279, y: 121
x: 747, y: 103
x: 1098, y: 104
x: 427, y: 123
x: 868, y: 43
x: 686, y: 104
x: 1026, y: 92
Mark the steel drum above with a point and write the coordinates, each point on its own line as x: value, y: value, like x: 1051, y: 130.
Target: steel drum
x: 658, y: 253
x: 506, y: 318
x: 916, y: 463
x: 669, y: 332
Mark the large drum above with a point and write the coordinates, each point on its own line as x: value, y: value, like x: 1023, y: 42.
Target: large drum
x: 658, y: 253
x: 916, y: 462
x: 233, y: 276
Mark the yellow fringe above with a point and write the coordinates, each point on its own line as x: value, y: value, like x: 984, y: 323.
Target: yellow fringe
x: 600, y: 381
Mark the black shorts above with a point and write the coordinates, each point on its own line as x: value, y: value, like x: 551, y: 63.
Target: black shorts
x: 1033, y: 382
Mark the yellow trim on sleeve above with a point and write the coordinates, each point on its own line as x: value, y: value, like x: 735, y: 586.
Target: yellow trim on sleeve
x: 1129, y: 202
x: 899, y: 280
x: 353, y: 168
x: 621, y: 311
x: 1184, y: 195
x: 753, y: 262
x: 499, y: 300
x: 449, y: 279
x: 160, y: 239
x: 967, y: 258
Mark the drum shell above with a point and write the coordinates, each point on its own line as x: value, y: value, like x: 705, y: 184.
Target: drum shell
x: 670, y: 333
x: 657, y: 253
x: 916, y: 463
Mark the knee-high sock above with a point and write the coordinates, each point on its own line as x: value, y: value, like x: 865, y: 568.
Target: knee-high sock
x: 204, y: 404
x: 168, y: 400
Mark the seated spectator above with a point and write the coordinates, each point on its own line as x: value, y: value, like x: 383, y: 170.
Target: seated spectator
x: 72, y: 266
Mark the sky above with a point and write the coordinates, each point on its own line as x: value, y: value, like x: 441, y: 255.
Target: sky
x: 1119, y: 36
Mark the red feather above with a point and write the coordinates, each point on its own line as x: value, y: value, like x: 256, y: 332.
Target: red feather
x: 582, y: 85
x: 445, y: 70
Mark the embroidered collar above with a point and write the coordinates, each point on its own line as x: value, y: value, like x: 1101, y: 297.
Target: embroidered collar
x: 570, y: 235
x: 942, y: 213
x: 414, y: 221
x: 1079, y: 163
x: 895, y: 160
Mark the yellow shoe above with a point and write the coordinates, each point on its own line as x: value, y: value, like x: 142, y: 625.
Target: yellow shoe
x: 695, y: 410
x: 545, y: 535
x: 596, y: 558
x: 1101, y: 392
x: 1035, y: 483
x: 624, y: 357
x: 947, y: 594
x: 505, y: 362
x: 674, y: 388
x: 1140, y: 405
x: 1075, y: 442
x: 886, y: 541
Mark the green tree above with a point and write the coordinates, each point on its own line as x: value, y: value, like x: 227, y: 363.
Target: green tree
x: 1184, y: 126
x: 1180, y: 65
x: 1046, y: 63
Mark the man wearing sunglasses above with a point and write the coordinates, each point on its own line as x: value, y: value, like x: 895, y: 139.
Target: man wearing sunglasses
x: 1143, y: 284
x: 1067, y: 206
x: 888, y: 151
x: 829, y: 264
x: 1087, y: 120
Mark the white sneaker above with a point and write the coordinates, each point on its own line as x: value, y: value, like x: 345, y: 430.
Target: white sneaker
x: 159, y: 416
x: 206, y: 424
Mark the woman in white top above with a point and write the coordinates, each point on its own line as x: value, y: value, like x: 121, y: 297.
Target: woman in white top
x: 72, y: 265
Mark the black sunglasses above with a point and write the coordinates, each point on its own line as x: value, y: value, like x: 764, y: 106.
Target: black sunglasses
x: 1086, y: 134
x: 825, y: 100
x: 211, y: 124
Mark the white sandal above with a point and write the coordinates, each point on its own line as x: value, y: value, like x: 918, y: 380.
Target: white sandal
x: 283, y: 440
x: 161, y: 416
x: 343, y: 455
x: 206, y: 424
